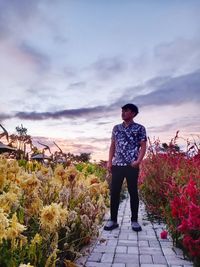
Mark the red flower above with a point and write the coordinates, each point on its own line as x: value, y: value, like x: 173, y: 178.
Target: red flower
x: 163, y: 234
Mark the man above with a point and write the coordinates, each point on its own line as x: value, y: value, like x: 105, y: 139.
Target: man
x: 127, y: 149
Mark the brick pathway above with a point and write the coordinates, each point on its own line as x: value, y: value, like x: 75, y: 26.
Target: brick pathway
x: 123, y: 247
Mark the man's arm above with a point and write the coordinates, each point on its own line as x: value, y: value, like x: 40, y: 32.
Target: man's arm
x: 111, y: 154
x: 143, y: 147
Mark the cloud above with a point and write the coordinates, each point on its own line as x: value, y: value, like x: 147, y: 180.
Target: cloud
x: 41, y: 60
x: 4, y: 117
x: 13, y: 15
x: 106, y: 68
x: 175, y: 58
x: 182, y: 124
x: 164, y: 91
x: 70, y: 113
x: 180, y: 56
x: 161, y: 91
x: 73, y: 146
x: 77, y: 85
x: 174, y: 91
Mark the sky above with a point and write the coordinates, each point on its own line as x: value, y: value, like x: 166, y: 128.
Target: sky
x: 68, y: 66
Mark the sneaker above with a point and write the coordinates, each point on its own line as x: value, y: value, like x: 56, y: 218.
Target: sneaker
x: 110, y: 225
x: 136, y: 227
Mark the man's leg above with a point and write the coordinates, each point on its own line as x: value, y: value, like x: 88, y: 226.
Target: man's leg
x: 132, y: 183
x: 116, y: 185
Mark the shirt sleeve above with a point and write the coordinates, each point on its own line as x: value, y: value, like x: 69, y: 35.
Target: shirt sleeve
x: 143, y: 135
x: 113, y: 133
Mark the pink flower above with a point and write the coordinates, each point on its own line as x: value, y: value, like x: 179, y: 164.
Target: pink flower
x: 163, y: 234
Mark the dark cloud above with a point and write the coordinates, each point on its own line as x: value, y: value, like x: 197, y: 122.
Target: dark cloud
x: 103, y: 123
x: 70, y: 113
x: 4, y: 116
x: 106, y: 68
x: 174, y: 91
x: 167, y: 91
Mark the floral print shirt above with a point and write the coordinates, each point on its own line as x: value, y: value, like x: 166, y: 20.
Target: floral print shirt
x: 127, y: 142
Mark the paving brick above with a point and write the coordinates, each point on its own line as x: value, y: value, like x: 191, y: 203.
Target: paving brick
x: 159, y: 259
x: 107, y: 257
x: 133, y: 250
x: 118, y: 265
x: 129, y: 243
x: 173, y: 259
x: 95, y: 257
x: 153, y: 265
x: 97, y: 264
x: 121, y: 249
x: 126, y: 258
x: 123, y: 236
x: 146, y: 259
x: 146, y: 237
x: 112, y: 242
x: 132, y: 265
x: 168, y: 251
x: 166, y: 243
x: 132, y: 236
x: 178, y: 251
x: 104, y: 249
x: 143, y: 243
x: 154, y: 243
x: 150, y: 251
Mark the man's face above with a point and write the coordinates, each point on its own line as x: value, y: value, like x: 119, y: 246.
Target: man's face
x: 127, y: 114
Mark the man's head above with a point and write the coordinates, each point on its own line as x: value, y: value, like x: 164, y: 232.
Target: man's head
x: 131, y: 107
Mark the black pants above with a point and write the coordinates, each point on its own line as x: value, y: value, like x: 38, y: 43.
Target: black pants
x: 118, y: 175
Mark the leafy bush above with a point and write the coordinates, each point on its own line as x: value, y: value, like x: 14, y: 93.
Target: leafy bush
x: 170, y: 187
x: 47, y: 215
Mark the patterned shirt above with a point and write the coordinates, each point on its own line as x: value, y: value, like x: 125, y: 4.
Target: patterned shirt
x: 127, y: 143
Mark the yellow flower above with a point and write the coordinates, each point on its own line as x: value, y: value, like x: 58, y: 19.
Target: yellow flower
x: 13, y: 166
x: 4, y: 223
x: 37, y: 239
x: 63, y: 216
x: 60, y: 174
x: 52, y: 217
x: 25, y: 265
x: 8, y: 200
x: 23, y: 241
x: 45, y: 170
x: 30, y: 182
x: 33, y: 205
x: 2, y: 180
x: 51, y: 261
x: 15, y: 229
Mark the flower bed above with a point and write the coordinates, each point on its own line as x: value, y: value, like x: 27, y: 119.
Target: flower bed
x: 170, y: 188
x: 47, y: 215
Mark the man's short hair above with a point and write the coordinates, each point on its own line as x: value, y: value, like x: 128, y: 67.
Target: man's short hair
x: 132, y: 107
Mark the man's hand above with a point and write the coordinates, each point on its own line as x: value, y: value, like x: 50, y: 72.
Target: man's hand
x: 109, y: 166
x: 135, y: 164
